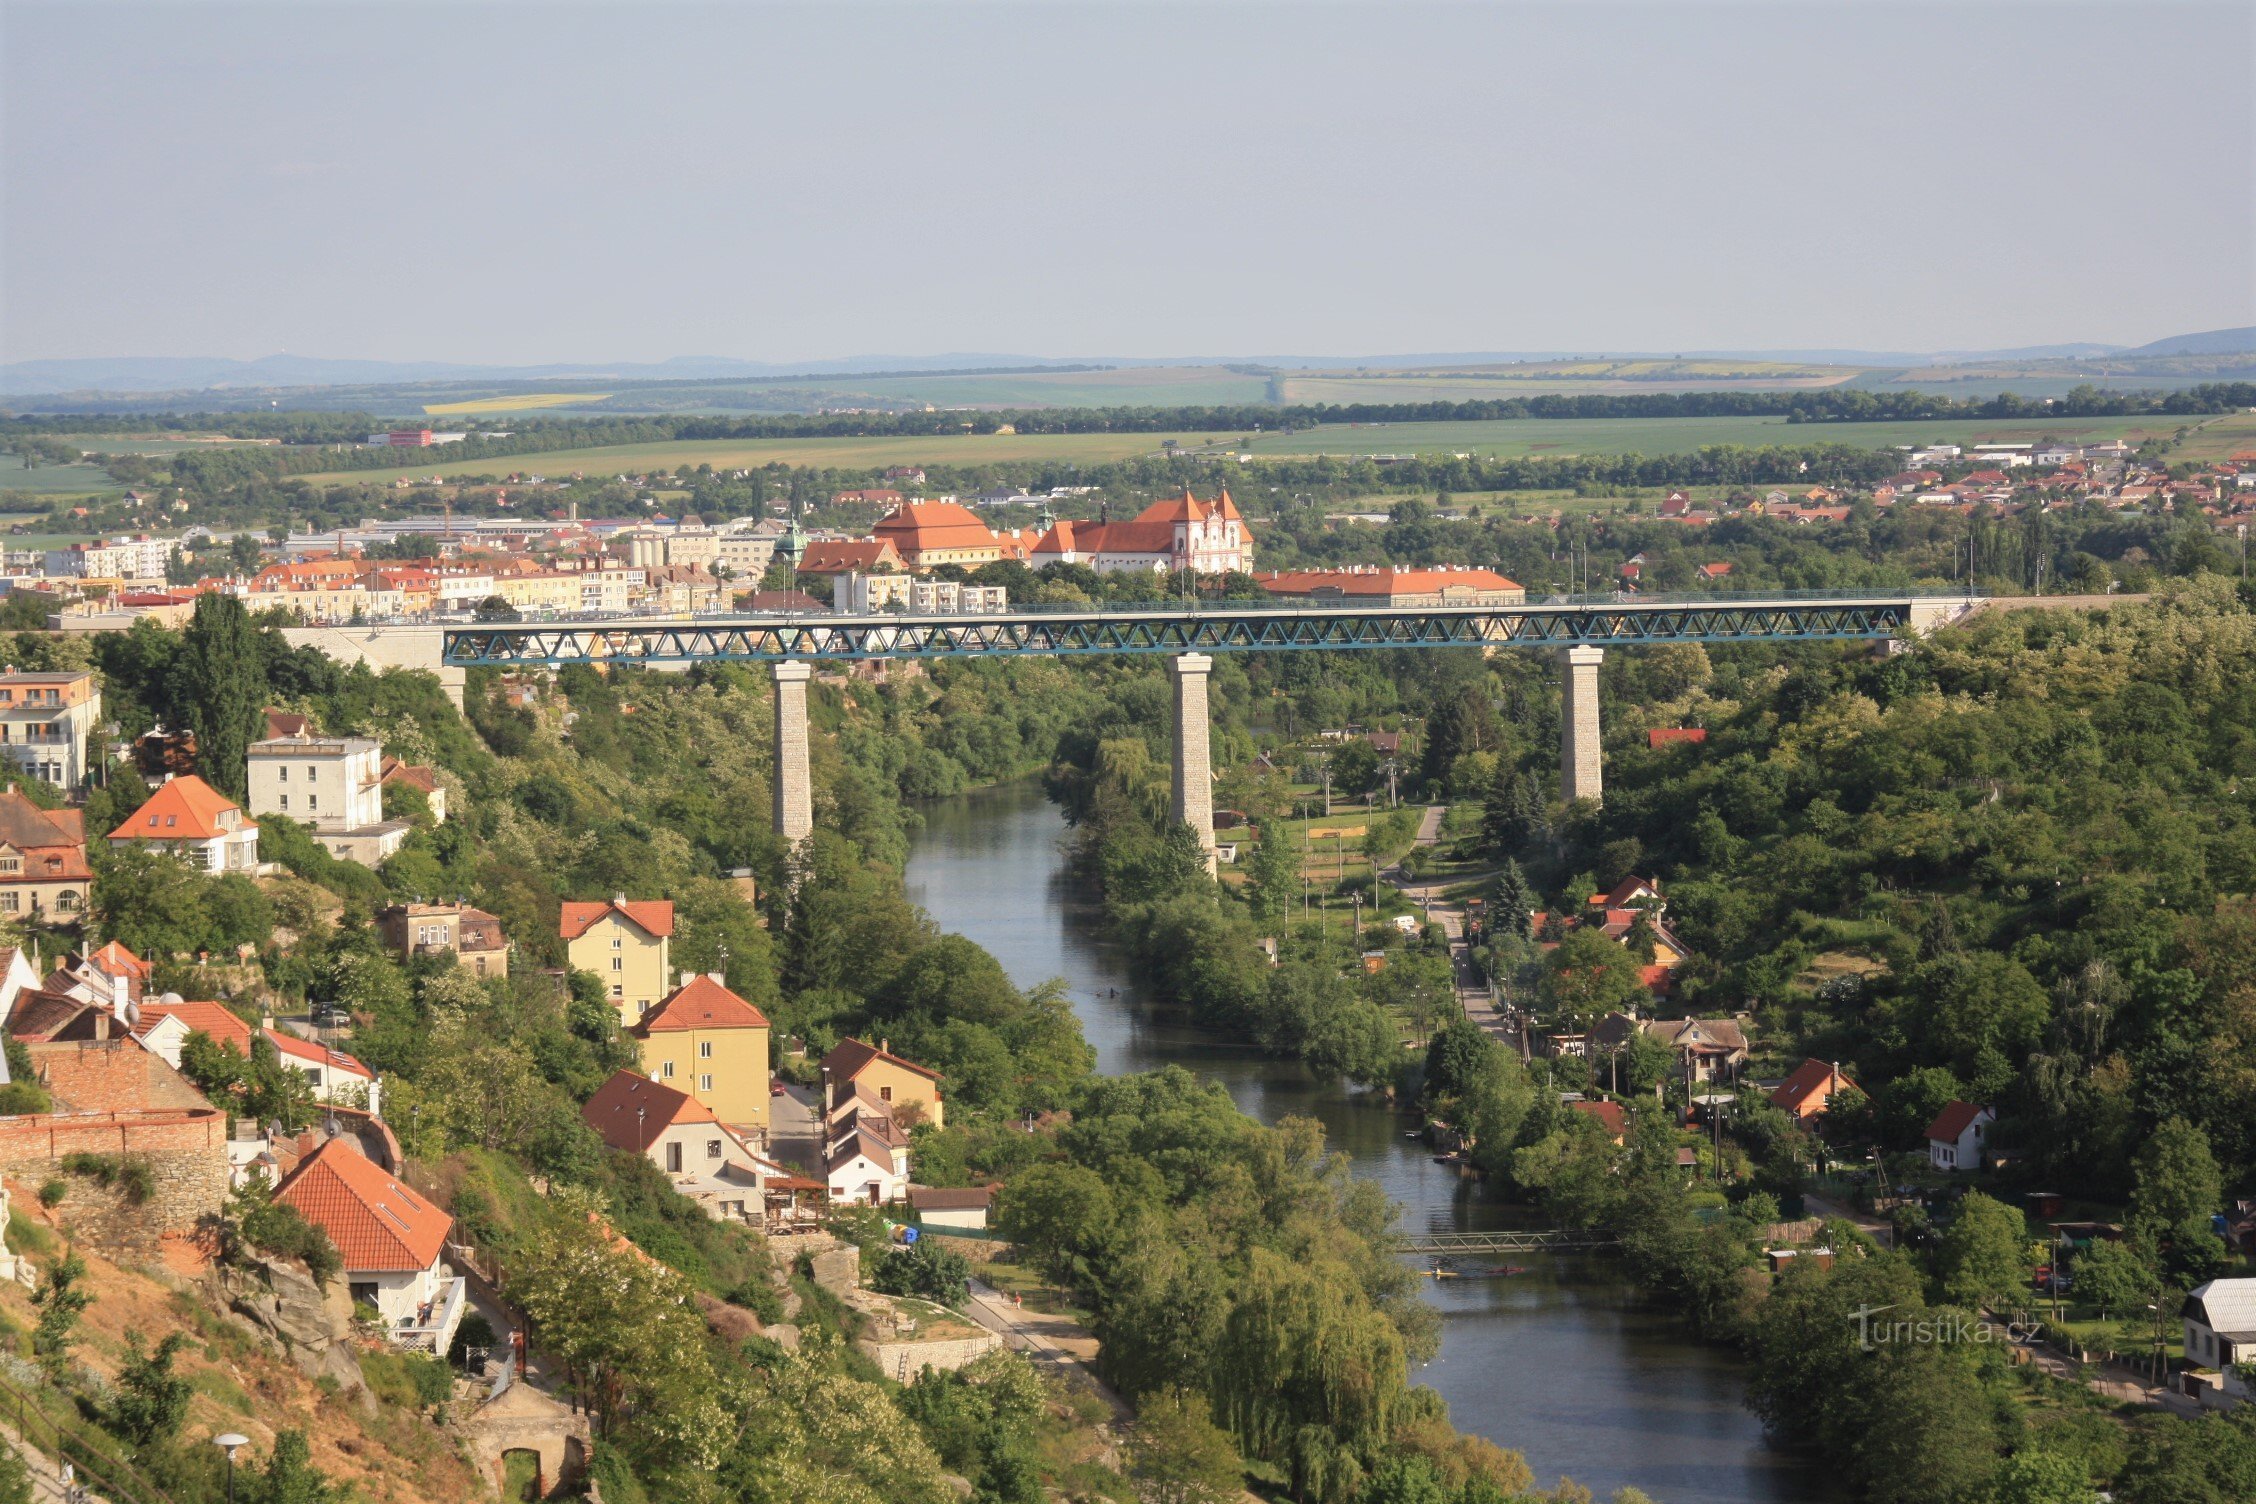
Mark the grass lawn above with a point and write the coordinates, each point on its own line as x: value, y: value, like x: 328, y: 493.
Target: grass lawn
x: 1014, y: 1278
x: 842, y: 454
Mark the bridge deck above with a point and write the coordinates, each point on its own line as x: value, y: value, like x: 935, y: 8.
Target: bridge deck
x: 1217, y: 628
x: 1552, y: 1240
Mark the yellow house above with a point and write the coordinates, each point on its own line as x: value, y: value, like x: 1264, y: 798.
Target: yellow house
x: 629, y: 945
x: 709, y: 1043
x: 909, y: 1092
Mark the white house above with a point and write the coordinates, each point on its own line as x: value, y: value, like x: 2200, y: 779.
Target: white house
x: 943, y: 1208
x: 867, y: 1163
x: 2220, y: 1331
x: 705, y: 1159
x: 1957, y: 1138
x: 333, y: 783
x: 336, y: 1077
x: 190, y: 818
x: 392, y: 1241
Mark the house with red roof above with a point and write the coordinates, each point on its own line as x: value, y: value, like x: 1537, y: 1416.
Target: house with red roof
x: 163, y: 1027
x: 903, y: 1088
x: 392, y: 1241
x: 929, y: 533
x: 334, y: 1075
x: 1179, y: 533
x: 706, y: 1159
x: 1958, y: 1139
x: 189, y: 818
x: 706, y: 1041
x: 1397, y: 587
x: 1609, y: 1116
x: 1672, y: 736
x: 851, y: 555
x: 43, y: 870
x: 628, y: 944
x: 1812, y: 1086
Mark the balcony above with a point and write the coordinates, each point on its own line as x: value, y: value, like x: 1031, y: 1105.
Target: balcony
x: 436, y: 1334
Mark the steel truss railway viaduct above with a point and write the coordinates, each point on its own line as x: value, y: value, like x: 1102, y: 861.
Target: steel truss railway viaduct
x: 1578, y: 629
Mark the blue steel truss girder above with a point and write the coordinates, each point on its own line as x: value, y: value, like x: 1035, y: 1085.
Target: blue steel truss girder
x: 776, y: 639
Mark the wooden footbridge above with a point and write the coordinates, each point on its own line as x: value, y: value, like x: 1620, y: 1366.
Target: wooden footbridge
x: 1537, y: 1240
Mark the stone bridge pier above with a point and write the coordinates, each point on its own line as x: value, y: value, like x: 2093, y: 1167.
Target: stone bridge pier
x: 1194, y: 759
x: 1580, y: 774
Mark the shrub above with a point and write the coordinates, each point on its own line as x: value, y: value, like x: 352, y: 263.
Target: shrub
x: 53, y: 1191
x: 130, y: 1175
x: 925, y: 1269
x: 474, y: 1331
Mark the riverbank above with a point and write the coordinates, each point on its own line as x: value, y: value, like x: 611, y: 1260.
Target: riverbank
x: 1566, y: 1364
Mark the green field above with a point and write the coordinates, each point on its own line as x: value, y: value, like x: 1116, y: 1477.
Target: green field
x: 55, y: 480
x: 1524, y: 437
x: 843, y: 454
x: 1505, y: 438
x: 2218, y: 438
x: 521, y: 402
x: 155, y: 445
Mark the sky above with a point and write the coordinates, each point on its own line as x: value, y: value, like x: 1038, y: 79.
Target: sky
x: 518, y: 182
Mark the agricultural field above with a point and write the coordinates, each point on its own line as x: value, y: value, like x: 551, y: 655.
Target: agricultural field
x: 521, y: 402
x: 1519, y: 438
x: 2218, y: 438
x: 841, y: 454
x: 55, y: 480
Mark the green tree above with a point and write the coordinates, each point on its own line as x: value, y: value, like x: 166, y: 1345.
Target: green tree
x: 1273, y: 872
x: 151, y: 1403
x: 15, y: 1477
x: 2042, y: 1478
x: 2115, y: 1276
x: 2176, y: 1181
x: 1179, y: 1456
x: 60, y: 1301
x: 1587, y: 976
x: 219, y: 686
x: 1983, y: 1256
x: 289, y: 1476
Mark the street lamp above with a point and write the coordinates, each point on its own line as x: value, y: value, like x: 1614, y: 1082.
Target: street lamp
x: 230, y: 1442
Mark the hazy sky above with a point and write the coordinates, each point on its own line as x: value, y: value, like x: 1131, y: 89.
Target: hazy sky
x: 530, y: 182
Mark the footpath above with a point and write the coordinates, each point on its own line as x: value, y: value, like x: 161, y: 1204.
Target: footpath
x: 1045, y: 1337
x: 1472, y: 993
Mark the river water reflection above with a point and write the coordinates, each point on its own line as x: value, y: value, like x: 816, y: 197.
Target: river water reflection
x: 1562, y: 1364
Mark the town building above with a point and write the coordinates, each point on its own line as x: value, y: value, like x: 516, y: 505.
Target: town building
x: 335, y: 1076
x: 1958, y: 1139
x: 392, y: 1243
x: 189, y: 818
x: 2220, y: 1334
x: 1812, y: 1086
x: 628, y: 944
x: 335, y: 785
x: 858, y: 594
x: 163, y: 1027
x: 952, y: 1209
x: 905, y: 1089
x: 424, y: 780
x: 43, y: 870
x: 706, y: 1041
x: 1370, y: 585
x: 141, y: 558
x: 705, y: 1159
x: 833, y: 556
x: 44, y: 721
x: 471, y: 935
x: 929, y: 533
x: 1181, y: 533
x: 1706, y: 1049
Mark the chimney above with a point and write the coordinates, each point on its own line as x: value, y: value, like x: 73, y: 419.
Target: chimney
x: 718, y: 979
x: 885, y: 1046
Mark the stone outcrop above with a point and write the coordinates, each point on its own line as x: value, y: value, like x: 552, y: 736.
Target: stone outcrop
x: 838, y: 1270
x: 312, y: 1325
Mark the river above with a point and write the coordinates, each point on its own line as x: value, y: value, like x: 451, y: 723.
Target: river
x: 1564, y: 1364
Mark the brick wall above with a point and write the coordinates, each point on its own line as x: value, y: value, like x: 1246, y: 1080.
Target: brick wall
x: 186, y: 1152
x: 111, y: 1075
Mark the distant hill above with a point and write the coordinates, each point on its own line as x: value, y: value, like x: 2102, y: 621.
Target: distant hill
x: 2215, y: 342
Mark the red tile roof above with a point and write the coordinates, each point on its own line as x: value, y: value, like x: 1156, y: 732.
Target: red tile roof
x: 1609, y: 1115
x: 653, y: 916
x: 611, y: 1112
x: 1664, y: 736
x: 701, y: 1003
x: 1810, y: 1078
x: 850, y: 1056
x: 918, y: 526
x: 185, y: 809
x: 213, y: 1020
x: 860, y: 554
x: 305, y: 1049
x: 1383, y: 582
x: 1952, y: 1121
x: 378, y: 1224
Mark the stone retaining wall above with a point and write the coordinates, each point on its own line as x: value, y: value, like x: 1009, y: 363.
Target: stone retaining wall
x: 186, y: 1152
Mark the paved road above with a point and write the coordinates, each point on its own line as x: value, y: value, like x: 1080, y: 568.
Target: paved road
x: 792, y: 1137
x: 1046, y: 1338
x: 1472, y: 993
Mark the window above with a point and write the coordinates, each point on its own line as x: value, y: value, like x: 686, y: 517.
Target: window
x: 8, y: 902
x: 313, y: 801
x: 285, y: 802
x: 616, y: 942
x: 11, y: 864
x: 283, y: 772
x: 673, y: 1159
x: 666, y: 1071
x: 704, y: 1049
x: 310, y: 772
x: 712, y: 1148
x: 618, y: 963
x: 704, y: 1083
x: 885, y: 1093
x: 617, y: 990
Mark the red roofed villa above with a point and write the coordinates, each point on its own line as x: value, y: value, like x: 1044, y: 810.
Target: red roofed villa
x: 1398, y: 587
x: 1807, y: 1092
x: 392, y: 1240
x: 190, y: 818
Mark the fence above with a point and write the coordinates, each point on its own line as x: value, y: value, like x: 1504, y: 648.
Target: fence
x: 99, y: 1468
